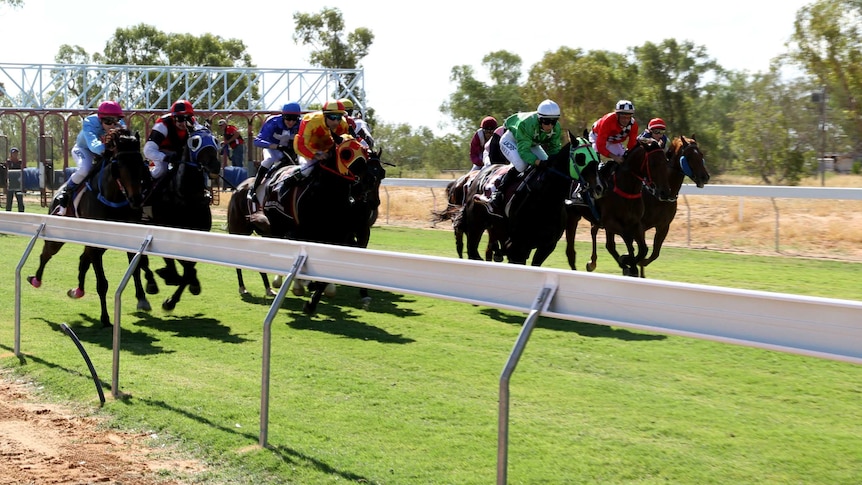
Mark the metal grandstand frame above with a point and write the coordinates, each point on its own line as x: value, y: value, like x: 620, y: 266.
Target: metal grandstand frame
x: 35, y: 94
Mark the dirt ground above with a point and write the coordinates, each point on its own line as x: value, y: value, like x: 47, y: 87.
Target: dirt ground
x: 44, y: 443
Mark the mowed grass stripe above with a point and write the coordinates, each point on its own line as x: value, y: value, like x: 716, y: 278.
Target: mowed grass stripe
x: 407, y: 391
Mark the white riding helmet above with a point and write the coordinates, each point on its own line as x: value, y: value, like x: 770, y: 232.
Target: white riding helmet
x: 625, y: 106
x: 548, y: 109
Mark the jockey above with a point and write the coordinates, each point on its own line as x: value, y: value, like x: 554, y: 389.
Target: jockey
x: 88, y: 145
x: 530, y: 138
x: 477, y: 143
x: 358, y: 128
x: 612, y: 135
x: 319, y: 132
x: 276, y: 136
x: 169, y: 136
x: 656, y: 131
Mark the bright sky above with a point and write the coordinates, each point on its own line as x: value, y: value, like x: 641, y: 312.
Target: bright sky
x: 416, y: 44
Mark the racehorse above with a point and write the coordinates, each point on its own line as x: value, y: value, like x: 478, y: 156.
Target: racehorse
x: 182, y: 200
x: 112, y: 192
x: 456, y: 191
x: 535, y: 214
x: 684, y: 159
x: 621, y: 211
x: 320, y: 209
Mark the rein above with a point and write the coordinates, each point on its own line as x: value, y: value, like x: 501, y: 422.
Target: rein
x: 646, y: 180
x: 100, y: 193
x: 348, y: 177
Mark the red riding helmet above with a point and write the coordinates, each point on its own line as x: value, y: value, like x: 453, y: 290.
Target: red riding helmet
x: 489, y: 123
x: 182, y: 107
x: 656, y: 124
x: 111, y: 109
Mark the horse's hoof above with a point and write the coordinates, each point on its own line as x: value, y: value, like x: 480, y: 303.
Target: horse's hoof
x: 308, y: 309
x: 34, y: 282
x: 144, y: 305
x: 329, y: 290
x: 152, y: 289
x: 169, y: 305
x: 195, y: 288
x: 75, y: 293
x: 591, y: 267
x: 270, y: 293
x: 243, y: 291
x: 277, y: 281
x: 298, y: 288
x: 366, y: 302
x: 171, y: 277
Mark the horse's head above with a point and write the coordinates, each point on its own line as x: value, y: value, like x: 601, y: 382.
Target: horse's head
x: 126, y: 163
x: 368, y: 186
x: 347, y: 159
x: 581, y: 154
x: 686, y: 156
x: 648, y: 162
x: 202, y: 149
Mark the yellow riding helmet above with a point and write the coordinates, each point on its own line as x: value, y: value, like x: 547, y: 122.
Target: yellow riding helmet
x: 348, y: 104
x: 333, y: 106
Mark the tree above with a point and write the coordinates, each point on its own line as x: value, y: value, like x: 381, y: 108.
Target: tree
x: 584, y: 85
x: 827, y: 43
x: 324, y: 31
x: 474, y: 99
x: 145, y: 45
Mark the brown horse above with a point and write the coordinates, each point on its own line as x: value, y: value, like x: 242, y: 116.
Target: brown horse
x: 113, y: 191
x: 684, y: 159
x: 644, y: 168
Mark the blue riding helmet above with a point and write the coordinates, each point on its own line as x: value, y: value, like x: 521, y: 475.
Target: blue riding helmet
x: 291, y: 109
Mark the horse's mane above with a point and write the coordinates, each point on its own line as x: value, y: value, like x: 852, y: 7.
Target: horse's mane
x: 119, y: 139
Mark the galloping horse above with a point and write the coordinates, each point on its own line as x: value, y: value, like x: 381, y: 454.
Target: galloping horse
x: 112, y: 192
x: 456, y: 193
x: 535, y: 215
x: 684, y: 159
x: 644, y: 167
x: 321, y: 209
x: 183, y: 201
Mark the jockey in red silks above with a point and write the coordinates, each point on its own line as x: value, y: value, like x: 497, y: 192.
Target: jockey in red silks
x: 612, y: 135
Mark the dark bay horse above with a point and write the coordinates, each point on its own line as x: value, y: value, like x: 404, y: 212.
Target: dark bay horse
x: 112, y: 192
x: 535, y: 215
x: 621, y: 211
x: 183, y: 201
x: 456, y: 193
x: 684, y: 159
x: 320, y: 209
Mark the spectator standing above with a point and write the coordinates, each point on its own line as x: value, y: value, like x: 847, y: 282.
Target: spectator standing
x: 14, y: 163
x: 232, y: 139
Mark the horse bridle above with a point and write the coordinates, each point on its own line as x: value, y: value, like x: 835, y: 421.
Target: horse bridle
x: 646, y: 179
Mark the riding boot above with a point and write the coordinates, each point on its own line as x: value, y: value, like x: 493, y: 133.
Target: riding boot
x: 602, y: 174
x: 498, y: 202
x: 66, y: 196
x: 261, y: 173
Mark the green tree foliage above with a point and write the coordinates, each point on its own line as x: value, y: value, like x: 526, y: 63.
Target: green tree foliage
x: 827, y: 44
x: 474, y: 99
x: 765, y: 146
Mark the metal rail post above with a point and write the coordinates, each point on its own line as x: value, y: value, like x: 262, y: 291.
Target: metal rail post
x: 543, y: 299
x: 18, y: 288
x: 133, y: 265
x: 267, y: 347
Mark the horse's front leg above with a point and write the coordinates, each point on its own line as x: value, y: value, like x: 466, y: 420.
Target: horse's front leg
x: 96, y: 255
x: 49, y: 249
x: 84, y: 263
x: 143, y: 303
x: 594, y: 234
x: 611, y: 246
x: 658, y: 240
x: 571, y: 231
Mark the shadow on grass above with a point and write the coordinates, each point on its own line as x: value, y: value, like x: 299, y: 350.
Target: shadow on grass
x: 348, y: 297
x: 197, y: 326
x: 288, y: 455
x: 134, y: 341
x: 582, y: 329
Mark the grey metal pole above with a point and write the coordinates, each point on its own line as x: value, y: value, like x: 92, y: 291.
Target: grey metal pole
x: 133, y: 264
x: 18, y: 288
x: 543, y: 299
x: 267, y: 347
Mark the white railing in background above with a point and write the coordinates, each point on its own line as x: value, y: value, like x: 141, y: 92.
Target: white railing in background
x: 819, y: 327
x: 741, y: 191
